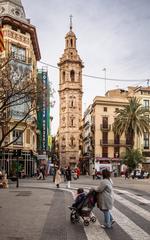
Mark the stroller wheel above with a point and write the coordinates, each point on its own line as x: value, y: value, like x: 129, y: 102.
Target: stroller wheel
x: 86, y: 223
x: 73, y: 218
x: 93, y: 219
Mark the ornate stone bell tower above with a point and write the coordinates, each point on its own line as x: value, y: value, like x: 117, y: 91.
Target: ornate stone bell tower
x: 70, y: 97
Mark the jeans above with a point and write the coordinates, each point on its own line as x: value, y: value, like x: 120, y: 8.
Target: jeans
x: 107, y: 218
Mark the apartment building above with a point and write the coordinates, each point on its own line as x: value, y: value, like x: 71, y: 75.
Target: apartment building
x: 21, y: 44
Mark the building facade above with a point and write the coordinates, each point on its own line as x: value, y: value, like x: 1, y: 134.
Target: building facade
x: 21, y: 43
x: 70, y: 97
x: 105, y: 147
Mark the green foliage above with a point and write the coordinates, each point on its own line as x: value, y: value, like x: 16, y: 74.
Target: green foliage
x: 132, y: 157
x: 132, y: 119
x: 13, y: 169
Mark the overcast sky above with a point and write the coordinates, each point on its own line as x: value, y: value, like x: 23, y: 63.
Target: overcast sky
x: 111, y: 34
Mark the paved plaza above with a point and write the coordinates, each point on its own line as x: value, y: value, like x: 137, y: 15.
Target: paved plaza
x: 37, y: 210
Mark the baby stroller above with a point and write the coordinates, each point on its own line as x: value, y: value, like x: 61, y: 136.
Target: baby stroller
x: 84, y: 209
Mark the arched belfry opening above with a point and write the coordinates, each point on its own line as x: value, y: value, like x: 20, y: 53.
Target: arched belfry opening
x: 72, y: 75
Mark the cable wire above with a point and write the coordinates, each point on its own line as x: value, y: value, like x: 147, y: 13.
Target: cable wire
x: 96, y: 77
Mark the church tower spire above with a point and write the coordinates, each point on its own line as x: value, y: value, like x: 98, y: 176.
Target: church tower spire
x: 70, y: 96
x: 71, y: 22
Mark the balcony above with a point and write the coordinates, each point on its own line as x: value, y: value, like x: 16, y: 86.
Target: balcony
x: 111, y: 142
x: 105, y: 127
x: 21, y: 58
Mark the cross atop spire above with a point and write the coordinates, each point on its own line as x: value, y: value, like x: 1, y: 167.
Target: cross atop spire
x: 71, y: 22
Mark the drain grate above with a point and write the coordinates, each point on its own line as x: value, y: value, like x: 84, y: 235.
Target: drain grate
x: 24, y: 194
x: 15, y: 238
x: 47, y: 204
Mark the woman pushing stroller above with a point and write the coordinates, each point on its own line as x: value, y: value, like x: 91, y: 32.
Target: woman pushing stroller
x: 105, y: 198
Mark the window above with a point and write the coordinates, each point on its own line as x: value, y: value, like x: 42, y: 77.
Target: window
x: 146, y: 140
x: 116, y: 152
x: 18, y: 137
x: 72, y: 139
x: 146, y: 104
x: 72, y: 75
x: 105, y: 152
x: 116, y: 139
x: 105, y: 122
x: 18, y: 53
x: 105, y: 137
x: 28, y: 136
x: 14, y: 28
x: 63, y: 77
x: 105, y: 109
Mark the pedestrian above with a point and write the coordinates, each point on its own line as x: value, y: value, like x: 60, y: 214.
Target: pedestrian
x: 105, y: 198
x: 58, y: 177
x: 78, y: 172
x: 93, y: 173
x: 43, y: 173
x: 68, y: 176
x: 40, y: 173
x: 127, y: 173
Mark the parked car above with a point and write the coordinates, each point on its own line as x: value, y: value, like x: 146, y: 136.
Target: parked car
x: 140, y: 174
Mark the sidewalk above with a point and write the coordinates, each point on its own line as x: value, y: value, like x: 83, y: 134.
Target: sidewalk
x: 35, y: 212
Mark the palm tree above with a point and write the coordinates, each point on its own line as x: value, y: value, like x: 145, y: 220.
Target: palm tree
x: 132, y: 119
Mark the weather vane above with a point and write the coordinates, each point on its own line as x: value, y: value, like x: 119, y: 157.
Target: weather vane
x: 71, y: 22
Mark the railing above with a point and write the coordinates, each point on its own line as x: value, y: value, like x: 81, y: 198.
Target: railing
x: 105, y: 127
x: 20, y: 58
x: 110, y: 142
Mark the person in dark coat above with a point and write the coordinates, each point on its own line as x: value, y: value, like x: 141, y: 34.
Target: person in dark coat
x: 68, y: 176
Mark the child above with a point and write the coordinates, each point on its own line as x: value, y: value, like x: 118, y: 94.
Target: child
x: 79, y: 198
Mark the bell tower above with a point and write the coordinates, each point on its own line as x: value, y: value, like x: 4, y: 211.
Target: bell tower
x: 70, y: 100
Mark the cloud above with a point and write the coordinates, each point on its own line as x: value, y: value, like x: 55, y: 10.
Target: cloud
x: 112, y: 33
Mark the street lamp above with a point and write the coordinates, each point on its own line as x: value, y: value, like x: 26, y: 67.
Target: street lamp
x: 18, y: 155
x: 104, y: 69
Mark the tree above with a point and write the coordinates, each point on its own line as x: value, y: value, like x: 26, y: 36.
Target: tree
x: 132, y: 158
x: 18, y: 95
x: 132, y: 119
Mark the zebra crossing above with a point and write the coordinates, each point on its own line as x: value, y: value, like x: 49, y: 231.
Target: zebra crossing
x: 132, y: 219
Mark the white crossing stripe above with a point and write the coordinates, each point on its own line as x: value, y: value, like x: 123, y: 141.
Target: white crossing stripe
x: 140, y: 211
x: 95, y: 232
x: 132, y: 195
x: 134, y: 231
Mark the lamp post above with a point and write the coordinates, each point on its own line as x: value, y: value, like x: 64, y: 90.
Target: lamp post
x: 18, y: 155
x: 104, y: 69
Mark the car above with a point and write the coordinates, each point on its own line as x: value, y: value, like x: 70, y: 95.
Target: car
x: 140, y: 174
